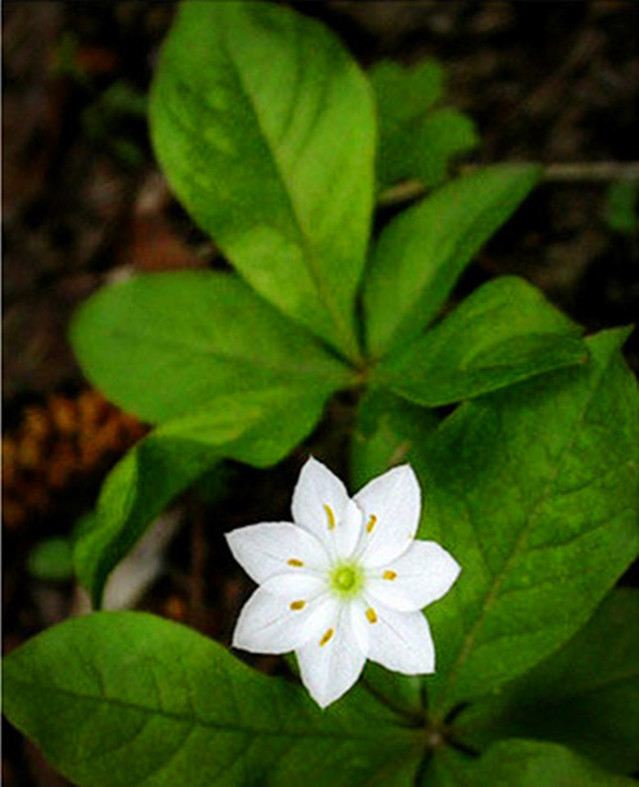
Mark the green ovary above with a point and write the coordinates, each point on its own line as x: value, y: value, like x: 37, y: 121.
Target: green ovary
x: 347, y: 579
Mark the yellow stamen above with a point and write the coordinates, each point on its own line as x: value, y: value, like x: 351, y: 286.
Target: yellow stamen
x: 371, y: 615
x: 326, y: 637
x: 389, y: 575
x: 331, y: 516
x: 371, y: 523
x: 295, y: 562
x: 298, y: 605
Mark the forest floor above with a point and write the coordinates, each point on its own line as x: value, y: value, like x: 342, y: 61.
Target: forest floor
x: 84, y: 203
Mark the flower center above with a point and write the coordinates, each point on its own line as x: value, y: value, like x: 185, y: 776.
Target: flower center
x: 347, y: 579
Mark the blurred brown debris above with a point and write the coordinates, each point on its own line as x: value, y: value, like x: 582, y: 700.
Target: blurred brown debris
x: 59, y: 445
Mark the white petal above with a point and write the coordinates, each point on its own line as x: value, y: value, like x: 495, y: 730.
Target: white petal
x: 394, y: 500
x: 265, y: 550
x: 296, y: 585
x: 320, y: 500
x: 359, y: 623
x: 401, y: 641
x: 423, y: 574
x: 347, y: 532
x: 328, y: 671
x: 267, y: 624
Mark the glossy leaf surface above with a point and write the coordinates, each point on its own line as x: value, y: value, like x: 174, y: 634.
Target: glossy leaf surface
x: 163, y: 345
x: 127, y: 698
x: 534, y: 492
x: 257, y: 428
x: 502, y: 334
x: 265, y: 128
x: 421, y: 253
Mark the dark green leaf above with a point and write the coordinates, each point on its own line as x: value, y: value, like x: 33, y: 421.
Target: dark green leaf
x: 404, y: 94
x: 423, y: 148
x: 622, y: 201
x: 258, y: 428
x: 117, y: 699
x: 163, y: 345
x: 585, y: 696
x: 415, y: 140
x: 520, y: 763
x: 534, y: 492
x: 502, y: 334
x: 387, y: 430
x: 265, y: 126
x: 421, y: 253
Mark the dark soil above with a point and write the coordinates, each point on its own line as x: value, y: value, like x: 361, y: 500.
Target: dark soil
x: 83, y: 202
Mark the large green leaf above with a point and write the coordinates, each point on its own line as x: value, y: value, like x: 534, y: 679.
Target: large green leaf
x: 127, y: 698
x: 585, y: 696
x: 258, y: 428
x: 521, y: 763
x: 534, y: 492
x: 503, y: 333
x: 386, y: 432
x: 162, y: 345
x: 265, y: 128
x: 421, y: 253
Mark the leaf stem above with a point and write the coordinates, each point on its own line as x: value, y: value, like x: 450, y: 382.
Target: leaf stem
x: 560, y: 172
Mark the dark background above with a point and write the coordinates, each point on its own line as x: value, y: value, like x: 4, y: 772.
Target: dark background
x: 83, y: 202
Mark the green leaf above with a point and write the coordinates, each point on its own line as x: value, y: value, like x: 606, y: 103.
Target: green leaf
x: 422, y: 252
x: 162, y: 345
x: 586, y: 695
x: 520, y: 763
x: 51, y: 560
x: 386, y: 432
x: 620, y: 211
x: 265, y: 128
x: 443, y: 135
x: 423, y: 148
x: 534, y: 492
x: 258, y: 428
x: 404, y: 94
x: 117, y: 699
x: 502, y: 334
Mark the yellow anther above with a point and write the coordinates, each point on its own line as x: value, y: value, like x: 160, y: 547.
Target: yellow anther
x: 295, y: 562
x: 371, y: 523
x: 371, y: 615
x: 326, y: 637
x: 331, y: 516
x: 298, y: 605
x: 389, y: 575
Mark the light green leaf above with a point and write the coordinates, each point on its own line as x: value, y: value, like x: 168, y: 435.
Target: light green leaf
x: 258, y: 428
x: 502, y: 334
x: 520, y: 763
x: 265, y: 128
x: 51, y: 560
x: 422, y: 252
x: 386, y: 431
x: 165, y: 344
x: 586, y: 695
x: 534, y: 492
x: 117, y: 699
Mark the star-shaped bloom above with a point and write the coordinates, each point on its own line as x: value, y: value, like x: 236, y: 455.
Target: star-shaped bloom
x: 345, y: 583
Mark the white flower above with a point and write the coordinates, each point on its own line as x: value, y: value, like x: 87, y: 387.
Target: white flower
x: 345, y: 583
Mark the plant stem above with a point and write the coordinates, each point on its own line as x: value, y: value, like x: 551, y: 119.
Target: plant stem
x: 561, y: 172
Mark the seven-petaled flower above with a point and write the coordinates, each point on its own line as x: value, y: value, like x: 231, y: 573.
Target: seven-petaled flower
x: 345, y: 583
